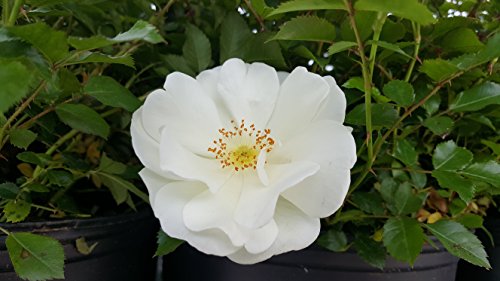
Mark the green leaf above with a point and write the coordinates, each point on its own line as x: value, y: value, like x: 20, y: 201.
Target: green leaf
x: 403, y: 238
x: 399, y: 91
x: 109, y: 92
x: 409, y: 9
x: 16, y: 210
x: 260, y: 50
x: 8, y: 190
x: 459, y: 242
x: 83, y: 247
x: 51, y: 43
x: 166, y: 244
x: 405, y: 201
x: 383, y: 115
x: 448, y: 156
x: 21, y: 138
x: 15, y: 79
x: 141, y: 30
x: 495, y: 147
x: 477, y: 98
x: 60, y: 177
x: 178, y: 63
x: 340, y: 46
x: 389, y: 46
x: 83, y: 118
x: 438, y: 69
x: 439, y: 125
x: 348, y: 216
x: 306, y: 28
x: 119, y: 186
x: 304, y: 52
x: 234, y: 35
x: 93, y: 57
x: 370, y: 250
x: 35, y: 257
x: 461, y: 40
x: 490, y: 52
x: 405, y: 152
x: 307, y: 5
x: 369, y: 202
x: 196, y: 49
x: 39, y: 159
x: 107, y: 165
x: 333, y: 240
x: 452, y: 180
x: 471, y: 220
x: 487, y: 172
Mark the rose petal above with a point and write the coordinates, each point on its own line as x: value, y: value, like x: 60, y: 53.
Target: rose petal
x: 214, y: 210
x: 257, y: 202
x: 153, y: 182
x: 334, y: 107
x: 296, y: 231
x: 249, y: 91
x: 175, y: 158
x: 262, y: 238
x: 189, y: 114
x: 169, y: 204
x: 301, y: 96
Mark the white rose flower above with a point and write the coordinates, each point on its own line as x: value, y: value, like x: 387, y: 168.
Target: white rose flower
x: 243, y: 161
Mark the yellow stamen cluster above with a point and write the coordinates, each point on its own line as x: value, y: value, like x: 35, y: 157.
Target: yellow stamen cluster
x: 239, y: 147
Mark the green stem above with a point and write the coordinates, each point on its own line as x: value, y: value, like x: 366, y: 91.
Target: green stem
x: 4, y: 231
x: 5, y: 12
x: 377, y: 29
x: 14, y: 12
x: 367, y: 83
x: 18, y: 111
x: 418, y: 39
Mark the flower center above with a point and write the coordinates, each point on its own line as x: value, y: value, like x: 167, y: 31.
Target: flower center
x: 240, y: 146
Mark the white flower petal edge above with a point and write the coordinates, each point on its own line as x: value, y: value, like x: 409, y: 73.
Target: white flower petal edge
x: 243, y: 161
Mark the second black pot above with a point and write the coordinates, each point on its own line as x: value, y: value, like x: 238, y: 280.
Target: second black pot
x: 311, y: 264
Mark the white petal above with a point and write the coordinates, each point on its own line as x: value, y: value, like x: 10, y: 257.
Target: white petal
x: 321, y: 194
x: 249, y: 91
x: 168, y: 207
x: 325, y: 142
x: 257, y: 203
x: 214, y: 210
x: 262, y: 238
x: 175, y: 158
x: 153, y: 182
x: 300, y: 98
x: 296, y: 232
x: 189, y: 114
x: 282, y: 75
x: 209, y: 81
x: 334, y: 107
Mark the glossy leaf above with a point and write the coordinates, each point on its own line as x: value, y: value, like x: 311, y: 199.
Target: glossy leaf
x: 477, y: 98
x: 399, y: 91
x: 369, y: 202
x: 409, y: 9
x: 22, y: 138
x: 197, y: 49
x: 234, y: 35
x: 340, y: 46
x: 439, y: 125
x: 438, y: 69
x: 35, y: 257
x: 8, y: 190
x: 405, y: 201
x: 403, y: 238
x: 383, y: 115
x: 166, y: 244
x: 83, y: 118
x: 94, y: 57
x: 487, y: 172
x: 109, y: 92
x: 333, y: 240
x: 453, y: 181
x: 461, y: 40
x: 307, y: 5
x: 306, y: 28
x: 16, y: 210
x: 369, y: 250
x: 459, y: 242
x: 15, y: 80
x: 115, y: 183
x: 448, y: 156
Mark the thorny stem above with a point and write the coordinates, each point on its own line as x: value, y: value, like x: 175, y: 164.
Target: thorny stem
x: 5, y: 12
x: 418, y: 38
x: 14, y: 12
x: 377, y: 29
x: 256, y: 15
x: 367, y: 82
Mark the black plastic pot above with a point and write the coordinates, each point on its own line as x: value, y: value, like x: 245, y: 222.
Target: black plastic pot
x: 124, y: 252
x: 467, y: 271
x: 311, y: 264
